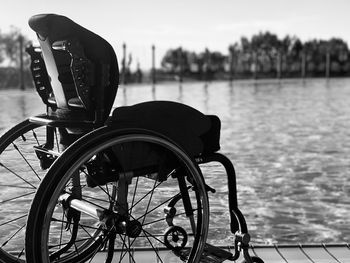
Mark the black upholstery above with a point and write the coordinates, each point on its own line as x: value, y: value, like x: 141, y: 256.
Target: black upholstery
x: 51, y: 28
x: 192, y: 130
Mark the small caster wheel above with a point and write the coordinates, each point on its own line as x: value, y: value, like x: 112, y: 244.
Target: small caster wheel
x: 254, y: 260
x: 175, y: 238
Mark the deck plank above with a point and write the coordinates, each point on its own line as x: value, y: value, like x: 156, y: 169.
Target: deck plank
x: 341, y: 253
x: 268, y: 254
x: 319, y: 255
x: 283, y: 254
x: 294, y: 255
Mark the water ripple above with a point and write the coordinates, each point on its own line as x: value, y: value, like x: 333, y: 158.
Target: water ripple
x: 289, y: 142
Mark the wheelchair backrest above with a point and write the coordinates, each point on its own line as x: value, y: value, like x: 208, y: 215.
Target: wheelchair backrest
x: 82, y: 67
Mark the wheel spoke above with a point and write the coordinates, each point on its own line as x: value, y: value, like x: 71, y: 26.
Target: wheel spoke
x: 154, y: 208
x: 130, y: 245
x: 17, y: 175
x: 128, y: 250
x: 84, y: 229
x: 133, y: 196
x: 153, y: 236
x: 98, y: 249
x: 81, y: 225
x: 122, y: 255
x: 15, y: 186
x: 107, y: 190
x: 13, y: 220
x: 149, y: 202
x: 35, y: 137
x: 20, y: 254
x: 101, y: 244
x: 57, y: 141
x: 63, y: 244
x: 13, y: 235
x: 155, y: 221
x: 61, y: 232
x: 94, y: 198
x: 154, y: 249
x: 131, y: 256
x: 149, y: 192
x: 15, y: 198
x: 25, y: 159
x: 162, y: 219
x: 76, y: 248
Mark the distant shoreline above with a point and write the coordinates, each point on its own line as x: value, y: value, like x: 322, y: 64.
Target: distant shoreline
x: 9, y: 78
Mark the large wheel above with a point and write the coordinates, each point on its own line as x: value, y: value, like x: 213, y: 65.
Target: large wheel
x: 133, y: 195
x: 20, y: 174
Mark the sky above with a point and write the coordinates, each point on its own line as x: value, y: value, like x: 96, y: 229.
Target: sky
x: 192, y: 24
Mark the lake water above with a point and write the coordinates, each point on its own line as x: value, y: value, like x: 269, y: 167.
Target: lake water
x: 289, y: 141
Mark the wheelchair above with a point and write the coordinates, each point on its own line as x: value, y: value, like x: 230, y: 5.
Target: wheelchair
x: 125, y: 185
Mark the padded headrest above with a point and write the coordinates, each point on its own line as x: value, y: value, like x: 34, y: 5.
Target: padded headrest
x: 54, y: 27
x: 57, y: 27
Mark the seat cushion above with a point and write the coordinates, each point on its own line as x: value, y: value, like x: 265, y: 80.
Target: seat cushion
x: 195, y: 132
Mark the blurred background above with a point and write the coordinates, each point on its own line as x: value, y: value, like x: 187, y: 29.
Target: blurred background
x: 199, y: 40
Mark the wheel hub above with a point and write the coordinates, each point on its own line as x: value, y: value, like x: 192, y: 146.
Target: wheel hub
x: 133, y: 228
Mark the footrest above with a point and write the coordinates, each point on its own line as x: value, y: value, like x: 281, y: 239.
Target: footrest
x: 211, y: 254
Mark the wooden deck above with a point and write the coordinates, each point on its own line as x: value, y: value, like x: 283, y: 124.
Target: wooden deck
x: 320, y: 253
x: 315, y: 253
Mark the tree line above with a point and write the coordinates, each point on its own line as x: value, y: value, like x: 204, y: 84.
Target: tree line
x: 12, y: 45
x: 264, y: 55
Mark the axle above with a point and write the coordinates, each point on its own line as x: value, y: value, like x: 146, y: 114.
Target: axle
x: 82, y: 206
